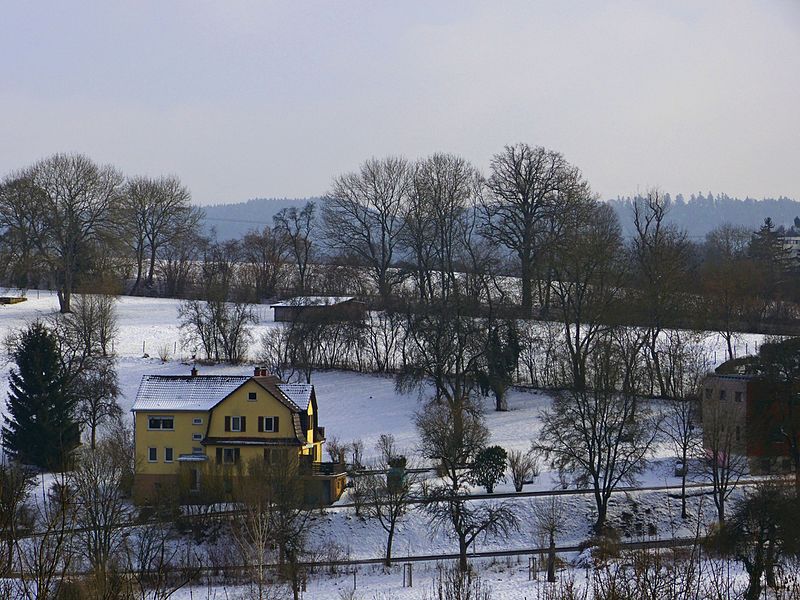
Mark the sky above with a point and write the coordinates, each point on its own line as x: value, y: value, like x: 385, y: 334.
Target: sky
x: 273, y: 99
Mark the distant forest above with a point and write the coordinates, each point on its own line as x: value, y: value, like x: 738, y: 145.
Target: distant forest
x: 698, y: 214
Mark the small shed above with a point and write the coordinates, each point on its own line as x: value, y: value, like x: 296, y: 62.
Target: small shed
x: 334, y: 308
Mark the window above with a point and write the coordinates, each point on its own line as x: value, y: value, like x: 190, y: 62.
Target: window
x: 197, y: 450
x: 251, y: 397
x: 737, y: 396
x: 235, y: 424
x: 196, y: 437
x: 152, y: 454
x: 167, y: 454
x: 165, y: 423
x: 267, y: 424
x: 230, y: 456
x: 722, y: 395
x: 197, y: 421
x: 708, y: 393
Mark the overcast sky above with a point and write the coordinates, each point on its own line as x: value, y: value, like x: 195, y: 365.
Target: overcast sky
x: 263, y: 99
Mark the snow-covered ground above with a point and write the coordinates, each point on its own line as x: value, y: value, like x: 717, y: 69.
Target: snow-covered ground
x: 357, y: 406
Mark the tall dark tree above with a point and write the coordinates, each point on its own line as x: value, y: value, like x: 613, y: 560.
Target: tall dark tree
x: 40, y: 428
x: 502, y: 357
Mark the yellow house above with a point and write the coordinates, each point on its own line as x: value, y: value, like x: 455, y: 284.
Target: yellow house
x: 196, y: 423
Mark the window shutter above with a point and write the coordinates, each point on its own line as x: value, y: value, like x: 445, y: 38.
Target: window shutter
x: 260, y: 424
x: 236, y: 455
x: 227, y: 423
x: 219, y: 455
x: 275, y: 424
x: 244, y: 424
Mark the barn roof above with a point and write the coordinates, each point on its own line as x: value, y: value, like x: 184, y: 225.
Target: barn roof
x: 303, y: 301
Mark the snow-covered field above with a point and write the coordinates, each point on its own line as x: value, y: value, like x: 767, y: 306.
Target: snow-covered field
x: 356, y: 406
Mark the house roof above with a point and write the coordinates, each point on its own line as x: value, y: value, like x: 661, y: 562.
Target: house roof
x: 203, y: 392
x: 299, y: 393
x: 184, y: 392
x: 303, y: 301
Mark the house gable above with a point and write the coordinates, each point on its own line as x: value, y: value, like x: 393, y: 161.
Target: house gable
x: 252, y: 413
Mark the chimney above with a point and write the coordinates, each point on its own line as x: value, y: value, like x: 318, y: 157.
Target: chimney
x: 194, y: 371
x: 260, y: 372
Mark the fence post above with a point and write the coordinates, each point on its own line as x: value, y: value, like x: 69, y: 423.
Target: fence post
x: 532, y: 574
x: 408, y: 577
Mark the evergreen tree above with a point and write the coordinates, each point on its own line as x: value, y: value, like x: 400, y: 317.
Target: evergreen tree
x: 502, y: 357
x: 40, y: 428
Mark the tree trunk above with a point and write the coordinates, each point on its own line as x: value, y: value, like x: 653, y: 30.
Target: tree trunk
x: 501, y: 404
x: 388, y: 560
x: 551, y: 560
x: 152, y: 268
x: 462, y: 555
x: 602, y: 511
x: 683, y: 484
x: 754, y: 583
x: 527, y: 290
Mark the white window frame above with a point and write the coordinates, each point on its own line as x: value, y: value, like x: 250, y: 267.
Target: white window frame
x: 152, y: 454
x: 252, y: 396
x: 197, y: 437
x: 225, y: 453
x: 171, y: 453
x: 197, y: 421
x: 197, y: 451
x: 238, y: 426
x: 271, y: 424
x: 161, y: 419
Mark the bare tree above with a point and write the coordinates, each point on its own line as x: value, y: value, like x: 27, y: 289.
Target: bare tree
x: 725, y: 461
x: 588, y: 281
x: 157, y: 565
x: 19, y: 222
x: 97, y: 389
x: 443, y: 190
x: 529, y: 190
x: 15, y: 483
x: 222, y: 329
x: 264, y: 253
x: 154, y: 211
x: 363, y: 217
x: 97, y: 489
x: 523, y: 467
x: 684, y: 364
x: 388, y: 496
x: 601, y: 434
x: 662, y: 256
x: 549, y: 520
x: 296, y: 228
x: 453, y: 436
x: 72, y: 200
x: 45, y: 559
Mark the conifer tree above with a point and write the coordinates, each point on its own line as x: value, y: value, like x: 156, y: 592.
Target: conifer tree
x: 40, y: 428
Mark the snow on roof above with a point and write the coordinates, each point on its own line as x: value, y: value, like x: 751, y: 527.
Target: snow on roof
x: 178, y: 392
x: 299, y: 393
x: 301, y: 301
